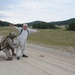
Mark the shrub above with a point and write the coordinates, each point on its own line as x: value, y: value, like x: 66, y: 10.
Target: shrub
x: 71, y: 26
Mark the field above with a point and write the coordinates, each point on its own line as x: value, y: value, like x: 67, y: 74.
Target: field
x: 42, y: 60
x: 56, y: 38
x: 6, y: 30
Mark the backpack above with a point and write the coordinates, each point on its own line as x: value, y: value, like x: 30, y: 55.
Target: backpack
x: 0, y: 46
x: 2, y: 42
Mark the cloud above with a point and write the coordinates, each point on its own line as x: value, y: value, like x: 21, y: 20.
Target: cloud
x: 7, y: 14
x: 29, y: 10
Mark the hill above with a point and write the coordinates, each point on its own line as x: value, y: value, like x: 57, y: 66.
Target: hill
x: 4, y: 23
x: 34, y: 22
x: 65, y: 22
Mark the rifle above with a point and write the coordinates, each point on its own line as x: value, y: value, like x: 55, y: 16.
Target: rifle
x: 2, y: 48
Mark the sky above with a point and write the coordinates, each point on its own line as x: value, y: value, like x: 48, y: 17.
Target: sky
x: 23, y: 11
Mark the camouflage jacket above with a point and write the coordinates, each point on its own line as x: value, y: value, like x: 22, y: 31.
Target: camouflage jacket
x: 7, y: 42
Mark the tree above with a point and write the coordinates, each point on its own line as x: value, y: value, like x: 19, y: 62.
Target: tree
x: 43, y: 25
x: 71, y: 26
x: 18, y: 25
x: 1, y: 23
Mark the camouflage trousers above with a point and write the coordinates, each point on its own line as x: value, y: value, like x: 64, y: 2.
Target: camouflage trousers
x: 7, y: 52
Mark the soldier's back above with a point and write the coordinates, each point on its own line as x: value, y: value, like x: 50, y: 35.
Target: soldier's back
x: 4, y: 41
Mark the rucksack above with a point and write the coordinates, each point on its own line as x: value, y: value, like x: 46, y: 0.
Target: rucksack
x: 0, y: 46
x: 2, y: 42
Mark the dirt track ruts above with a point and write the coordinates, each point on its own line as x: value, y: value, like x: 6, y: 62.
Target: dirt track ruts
x: 41, y: 61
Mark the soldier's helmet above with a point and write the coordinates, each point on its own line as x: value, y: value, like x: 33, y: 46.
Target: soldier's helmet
x: 12, y: 35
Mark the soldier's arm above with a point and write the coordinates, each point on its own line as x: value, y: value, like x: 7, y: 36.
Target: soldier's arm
x: 10, y: 42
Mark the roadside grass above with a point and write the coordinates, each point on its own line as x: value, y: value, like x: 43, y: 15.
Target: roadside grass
x: 58, y: 39
x: 55, y: 38
x: 6, y: 30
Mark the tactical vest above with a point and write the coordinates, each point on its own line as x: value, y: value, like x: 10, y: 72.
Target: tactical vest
x: 4, y: 44
x: 0, y: 46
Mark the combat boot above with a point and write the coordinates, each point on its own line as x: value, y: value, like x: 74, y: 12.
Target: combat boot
x: 9, y: 58
x: 13, y: 54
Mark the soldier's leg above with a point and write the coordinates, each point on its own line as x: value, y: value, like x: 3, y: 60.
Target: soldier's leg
x: 13, y: 52
x: 8, y: 54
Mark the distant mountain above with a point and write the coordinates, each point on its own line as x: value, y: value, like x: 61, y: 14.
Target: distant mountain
x: 4, y: 23
x: 31, y: 23
x: 66, y: 22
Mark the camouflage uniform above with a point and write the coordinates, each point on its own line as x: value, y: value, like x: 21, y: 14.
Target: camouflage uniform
x: 8, y: 43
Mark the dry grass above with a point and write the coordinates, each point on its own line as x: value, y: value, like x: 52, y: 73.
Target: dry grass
x: 6, y: 30
x: 58, y: 38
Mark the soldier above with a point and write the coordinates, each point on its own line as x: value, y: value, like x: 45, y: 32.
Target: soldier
x: 7, y: 43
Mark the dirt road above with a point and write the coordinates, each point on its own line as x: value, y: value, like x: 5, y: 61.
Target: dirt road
x: 41, y: 61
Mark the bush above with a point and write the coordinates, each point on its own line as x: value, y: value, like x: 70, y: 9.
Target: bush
x: 71, y: 26
x: 43, y: 25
